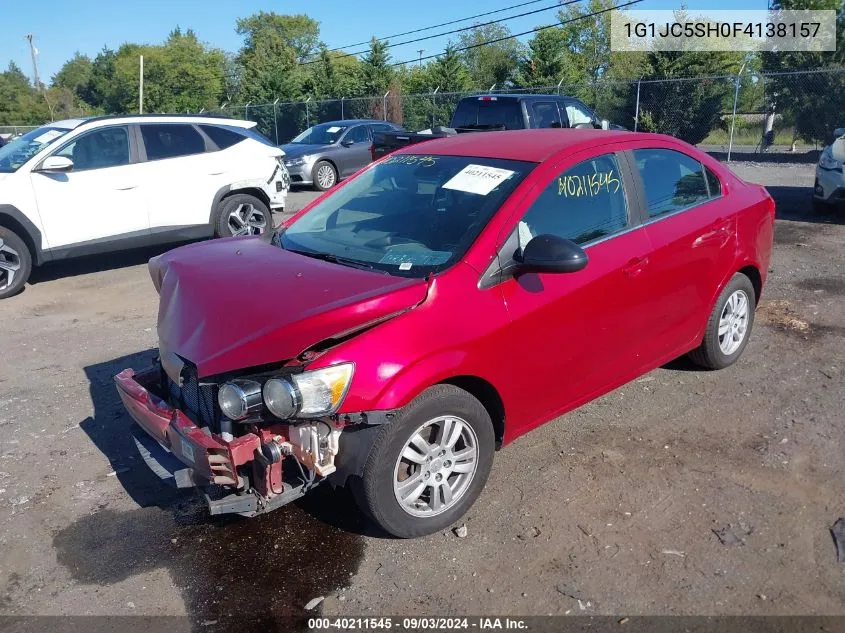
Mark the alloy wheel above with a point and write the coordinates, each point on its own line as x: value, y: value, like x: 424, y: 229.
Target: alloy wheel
x: 325, y: 176
x: 436, y: 466
x: 246, y: 219
x: 10, y: 264
x: 733, y: 323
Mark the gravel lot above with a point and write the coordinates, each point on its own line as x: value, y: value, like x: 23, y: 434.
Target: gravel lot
x: 610, y: 509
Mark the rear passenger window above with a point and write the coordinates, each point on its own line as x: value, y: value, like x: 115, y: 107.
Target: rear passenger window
x: 169, y: 140
x: 672, y: 180
x: 585, y: 203
x: 221, y: 136
x: 714, y: 187
x: 545, y: 114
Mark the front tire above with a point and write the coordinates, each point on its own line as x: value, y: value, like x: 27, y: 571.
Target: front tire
x: 15, y: 263
x: 428, y: 466
x: 243, y: 214
x: 324, y: 175
x: 729, y: 326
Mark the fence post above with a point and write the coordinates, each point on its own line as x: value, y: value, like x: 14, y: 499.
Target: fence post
x: 276, y: 120
x: 733, y: 116
x: 384, y: 105
x: 637, y: 107
x: 246, y: 111
x: 307, y: 115
x: 341, y: 107
x: 434, y: 104
x: 558, y: 85
x: 492, y: 88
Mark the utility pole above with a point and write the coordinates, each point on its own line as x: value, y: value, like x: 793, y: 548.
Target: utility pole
x: 420, y: 51
x: 141, y: 86
x: 33, y: 51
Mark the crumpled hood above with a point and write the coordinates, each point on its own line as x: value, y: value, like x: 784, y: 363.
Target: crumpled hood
x: 234, y: 303
x: 295, y: 150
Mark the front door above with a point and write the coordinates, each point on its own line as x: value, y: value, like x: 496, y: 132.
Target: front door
x: 574, y: 335
x: 100, y: 198
x: 355, y: 153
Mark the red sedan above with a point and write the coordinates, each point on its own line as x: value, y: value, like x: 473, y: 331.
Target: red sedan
x: 437, y: 305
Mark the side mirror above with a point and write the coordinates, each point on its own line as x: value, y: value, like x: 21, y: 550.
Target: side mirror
x: 605, y: 124
x: 56, y: 164
x: 347, y: 142
x: 551, y: 254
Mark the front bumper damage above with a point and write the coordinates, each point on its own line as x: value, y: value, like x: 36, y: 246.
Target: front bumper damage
x: 254, y: 473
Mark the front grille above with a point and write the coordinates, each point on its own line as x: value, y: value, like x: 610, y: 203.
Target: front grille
x: 198, y: 402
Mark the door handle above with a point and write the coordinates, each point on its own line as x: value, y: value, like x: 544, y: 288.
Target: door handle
x: 125, y: 187
x: 635, y: 266
x: 719, y: 231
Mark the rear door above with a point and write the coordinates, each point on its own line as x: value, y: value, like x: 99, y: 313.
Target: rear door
x: 693, y: 233
x: 182, y: 175
x: 574, y: 335
x: 101, y: 197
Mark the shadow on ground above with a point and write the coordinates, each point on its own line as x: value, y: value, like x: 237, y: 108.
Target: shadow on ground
x: 796, y: 204
x: 51, y: 271
x: 233, y: 573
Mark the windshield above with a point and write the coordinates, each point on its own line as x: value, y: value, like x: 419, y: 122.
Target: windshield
x: 409, y: 215
x: 323, y: 134
x: 17, y: 152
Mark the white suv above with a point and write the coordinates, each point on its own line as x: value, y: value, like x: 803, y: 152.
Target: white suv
x: 86, y: 186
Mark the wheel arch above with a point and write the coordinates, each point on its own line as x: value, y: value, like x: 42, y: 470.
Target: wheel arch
x: 753, y: 273
x: 12, y: 219
x: 227, y: 192
x: 488, y: 396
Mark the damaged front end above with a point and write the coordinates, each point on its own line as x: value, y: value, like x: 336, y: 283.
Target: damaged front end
x: 252, y: 443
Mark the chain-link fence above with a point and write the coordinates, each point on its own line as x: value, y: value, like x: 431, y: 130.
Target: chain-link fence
x: 749, y: 112
x: 11, y: 131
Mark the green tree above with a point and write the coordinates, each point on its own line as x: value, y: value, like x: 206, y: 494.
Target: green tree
x: 75, y: 75
x: 299, y: 32
x: 811, y: 101
x: 20, y: 102
x: 494, y: 62
x: 547, y: 60
x: 449, y: 73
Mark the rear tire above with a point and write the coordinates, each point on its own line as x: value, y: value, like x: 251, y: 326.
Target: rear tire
x: 324, y: 175
x: 729, y: 325
x: 462, y: 465
x: 242, y: 214
x: 15, y: 263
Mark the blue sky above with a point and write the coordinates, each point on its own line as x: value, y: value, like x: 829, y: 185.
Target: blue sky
x: 62, y: 28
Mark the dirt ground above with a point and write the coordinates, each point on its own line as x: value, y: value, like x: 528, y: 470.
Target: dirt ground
x: 611, y: 509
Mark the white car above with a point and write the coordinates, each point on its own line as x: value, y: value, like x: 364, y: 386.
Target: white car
x: 86, y: 186
x: 829, y: 188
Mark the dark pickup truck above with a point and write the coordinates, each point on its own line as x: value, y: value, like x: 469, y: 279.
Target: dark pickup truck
x: 499, y: 112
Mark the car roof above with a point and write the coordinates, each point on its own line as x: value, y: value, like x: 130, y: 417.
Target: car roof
x: 514, y: 97
x: 347, y: 122
x: 528, y: 145
x: 213, y: 119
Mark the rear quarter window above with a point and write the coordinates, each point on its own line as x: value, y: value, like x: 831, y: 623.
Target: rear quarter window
x: 221, y: 136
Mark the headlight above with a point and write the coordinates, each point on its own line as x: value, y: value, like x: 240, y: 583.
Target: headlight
x: 826, y: 161
x: 239, y: 398
x: 309, y: 394
x: 294, y: 162
x: 282, y: 398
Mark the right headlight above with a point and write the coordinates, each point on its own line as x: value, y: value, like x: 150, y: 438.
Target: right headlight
x: 309, y: 394
x: 826, y: 161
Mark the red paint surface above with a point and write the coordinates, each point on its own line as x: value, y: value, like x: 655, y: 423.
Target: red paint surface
x: 545, y: 342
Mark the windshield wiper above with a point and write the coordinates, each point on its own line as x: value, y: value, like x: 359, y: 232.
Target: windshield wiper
x: 335, y: 259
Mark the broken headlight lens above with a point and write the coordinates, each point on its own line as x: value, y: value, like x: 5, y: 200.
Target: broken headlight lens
x: 309, y: 394
x: 239, y: 398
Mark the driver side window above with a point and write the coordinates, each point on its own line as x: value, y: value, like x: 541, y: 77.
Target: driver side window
x: 577, y: 114
x: 358, y: 134
x: 98, y: 149
x: 584, y: 204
